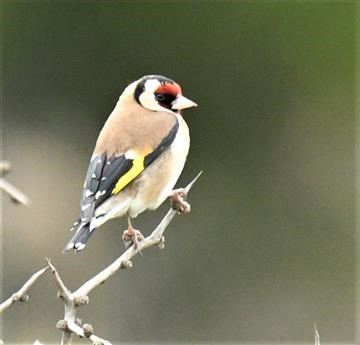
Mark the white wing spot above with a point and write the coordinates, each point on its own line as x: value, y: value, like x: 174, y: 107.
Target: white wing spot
x: 88, y: 193
x: 99, y: 194
x: 85, y: 207
x: 79, y: 246
x: 131, y: 154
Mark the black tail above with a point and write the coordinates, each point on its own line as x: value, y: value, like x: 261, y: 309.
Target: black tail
x: 78, y: 241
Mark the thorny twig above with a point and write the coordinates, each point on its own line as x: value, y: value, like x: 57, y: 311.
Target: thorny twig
x: 72, y: 300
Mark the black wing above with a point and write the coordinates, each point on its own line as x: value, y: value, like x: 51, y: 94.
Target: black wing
x: 101, y: 177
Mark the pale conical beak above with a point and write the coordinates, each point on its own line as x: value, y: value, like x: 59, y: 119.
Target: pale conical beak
x: 182, y: 102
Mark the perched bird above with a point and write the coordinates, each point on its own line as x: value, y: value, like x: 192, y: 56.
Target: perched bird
x: 139, y: 155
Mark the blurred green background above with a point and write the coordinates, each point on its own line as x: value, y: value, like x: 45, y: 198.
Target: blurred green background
x: 268, y: 248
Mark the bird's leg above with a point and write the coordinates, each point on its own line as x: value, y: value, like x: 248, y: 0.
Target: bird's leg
x: 178, y: 200
x: 131, y: 235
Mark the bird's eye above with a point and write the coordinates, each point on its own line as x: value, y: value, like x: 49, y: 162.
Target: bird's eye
x: 160, y: 97
x: 165, y: 99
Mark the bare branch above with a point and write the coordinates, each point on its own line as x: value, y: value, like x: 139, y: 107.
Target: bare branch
x: 153, y: 239
x: 73, y: 300
x: 15, y: 195
x: 317, y: 335
x: 21, y: 294
x: 68, y: 325
x: 70, y: 311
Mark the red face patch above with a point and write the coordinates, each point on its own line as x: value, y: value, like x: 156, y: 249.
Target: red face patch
x: 172, y: 89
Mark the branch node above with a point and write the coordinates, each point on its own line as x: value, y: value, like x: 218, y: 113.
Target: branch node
x: 24, y: 298
x: 161, y: 244
x: 62, y: 325
x: 78, y: 321
x: 60, y: 295
x: 126, y: 264
x: 15, y: 297
x: 81, y: 300
x: 21, y: 298
x: 88, y: 330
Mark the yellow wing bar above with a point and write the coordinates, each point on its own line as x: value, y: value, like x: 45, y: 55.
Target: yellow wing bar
x: 135, y: 170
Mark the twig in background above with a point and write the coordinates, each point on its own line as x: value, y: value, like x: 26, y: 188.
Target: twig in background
x: 16, y: 195
x: 317, y: 335
x: 21, y: 294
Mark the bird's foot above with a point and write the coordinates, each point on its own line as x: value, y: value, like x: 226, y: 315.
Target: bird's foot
x: 178, y: 200
x: 132, y: 236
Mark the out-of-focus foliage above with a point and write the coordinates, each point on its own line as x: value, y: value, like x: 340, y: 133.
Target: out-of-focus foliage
x: 269, y: 246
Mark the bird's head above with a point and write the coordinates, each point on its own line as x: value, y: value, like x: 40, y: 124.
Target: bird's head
x: 158, y: 93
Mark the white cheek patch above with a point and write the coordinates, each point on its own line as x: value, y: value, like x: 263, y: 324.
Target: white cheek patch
x: 148, y: 101
x: 147, y: 98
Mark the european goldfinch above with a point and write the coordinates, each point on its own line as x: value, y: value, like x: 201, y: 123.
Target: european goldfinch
x: 139, y: 155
